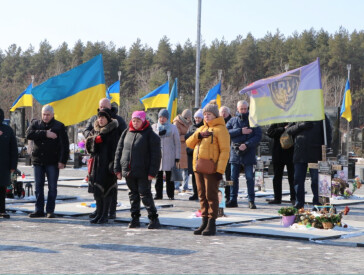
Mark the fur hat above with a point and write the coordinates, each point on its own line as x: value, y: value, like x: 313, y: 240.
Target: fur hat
x: 106, y: 113
x: 187, y: 114
x: 198, y: 113
x: 212, y: 108
x: 139, y: 114
x: 164, y: 113
x: 1, y: 116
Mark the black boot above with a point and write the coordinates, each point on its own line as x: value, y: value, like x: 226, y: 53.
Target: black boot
x: 154, y: 222
x: 210, y: 229
x: 199, y: 230
x: 134, y: 223
x: 105, y: 211
x: 93, y: 214
x: 99, y: 206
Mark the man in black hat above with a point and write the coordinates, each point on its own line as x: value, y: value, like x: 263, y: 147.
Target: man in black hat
x: 8, y: 160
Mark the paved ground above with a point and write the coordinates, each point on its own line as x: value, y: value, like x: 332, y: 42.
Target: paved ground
x: 72, y: 245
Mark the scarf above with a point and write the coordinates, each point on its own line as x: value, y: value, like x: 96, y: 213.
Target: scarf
x: 166, y: 126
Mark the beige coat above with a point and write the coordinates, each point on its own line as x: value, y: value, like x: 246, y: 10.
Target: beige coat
x: 182, y: 129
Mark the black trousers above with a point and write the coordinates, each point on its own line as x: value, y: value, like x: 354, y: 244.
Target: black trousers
x: 159, y: 185
x: 278, y: 168
x: 228, y: 178
x: 140, y: 190
x: 2, y: 198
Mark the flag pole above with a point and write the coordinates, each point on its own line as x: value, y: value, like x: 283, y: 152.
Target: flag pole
x: 197, y: 84
x: 119, y: 75
x: 32, y: 114
x: 348, y: 67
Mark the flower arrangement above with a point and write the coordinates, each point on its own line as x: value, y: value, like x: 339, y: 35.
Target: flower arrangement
x: 340, y: 187
x: 287, y: 211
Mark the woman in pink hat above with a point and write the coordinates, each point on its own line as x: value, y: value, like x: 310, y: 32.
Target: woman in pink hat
x: 137, y: 159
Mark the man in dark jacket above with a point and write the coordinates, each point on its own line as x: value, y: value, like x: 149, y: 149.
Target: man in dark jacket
x: 138, y: 158
x: 8, y: 160
x: 280, y: 158
x: 244, y: 142
x: 105, y: 104
x: 308, y: 138
x: 225, y: 113
x: 50, y: 153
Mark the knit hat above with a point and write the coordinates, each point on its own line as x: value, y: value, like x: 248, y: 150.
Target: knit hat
x: 139, y: 114
x: 199, y: 113
x: 163, y: 113
x: 106, y: 113
x: 212, y: 108
x: 1, y: 116
x: 187, y: 114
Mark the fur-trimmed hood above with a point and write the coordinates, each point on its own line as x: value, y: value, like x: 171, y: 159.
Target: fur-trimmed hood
x: 107, y: 128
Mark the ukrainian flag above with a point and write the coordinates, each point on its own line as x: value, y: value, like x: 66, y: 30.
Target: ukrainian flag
x: 75, y: 94
x: 24, y: 99
x: 346, y: 105
x: 172, y: 103
x: 214, y: 93
x: 113, y: 93
x: 157, y: 98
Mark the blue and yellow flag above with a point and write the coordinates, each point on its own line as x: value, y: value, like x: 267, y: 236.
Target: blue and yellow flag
x: 113, y: 93
x: 25, y: 99
x: 75, y: 94
x: 172, y: 103
x: 214, y: 93
x: 157, y: 98
x: 346, y: 105
x: 292, y: 96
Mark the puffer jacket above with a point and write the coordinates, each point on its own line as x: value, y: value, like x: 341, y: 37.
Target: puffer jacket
x: 48, y: 151
x: 215, y: 147
x: 235, y: 126
x: 138, y: 153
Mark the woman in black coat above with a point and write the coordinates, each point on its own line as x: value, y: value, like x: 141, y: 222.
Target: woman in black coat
x: 101, y: 144
x: 138, y: 158
x: 8, y: 160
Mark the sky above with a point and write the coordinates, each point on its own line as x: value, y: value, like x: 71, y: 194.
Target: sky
x: 26, y: 22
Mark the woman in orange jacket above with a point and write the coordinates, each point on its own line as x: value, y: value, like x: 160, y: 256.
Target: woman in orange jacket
x: 210, y: 142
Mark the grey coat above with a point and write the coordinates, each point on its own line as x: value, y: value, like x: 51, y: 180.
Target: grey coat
x: 170, y: 147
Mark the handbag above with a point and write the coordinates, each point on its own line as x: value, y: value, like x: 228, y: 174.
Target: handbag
x: 205, y: 166
x: 286, y: 140
x: 176, y: 174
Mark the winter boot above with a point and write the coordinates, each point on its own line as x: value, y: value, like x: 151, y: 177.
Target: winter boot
x: 199, y: 230
x: 93, y: 215
x: 154, y: 223
x: 99, y: 206
x: 210, y: 229
x: 105, y: 210
x: 134, y: 223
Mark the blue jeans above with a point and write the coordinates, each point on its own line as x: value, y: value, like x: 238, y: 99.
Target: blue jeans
x: 185, y: 178
x: 249, y: 175
x: 300, y: 170
x: 52, y: 173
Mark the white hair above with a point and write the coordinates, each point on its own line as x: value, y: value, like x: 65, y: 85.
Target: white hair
x: 48, y: 108
x: 243, y: 102
x: 227, y: 109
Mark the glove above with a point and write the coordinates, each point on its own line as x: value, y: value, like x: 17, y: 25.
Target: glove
x: 98, y: 139
x: 204, y: 134
x: 163, y: 132
x: 218, y: 176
